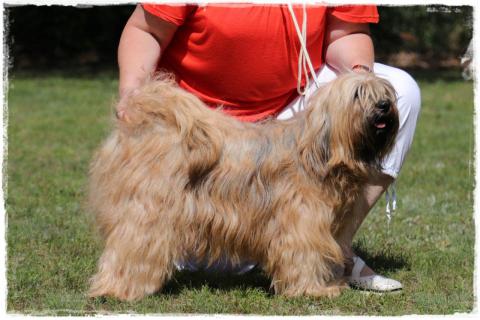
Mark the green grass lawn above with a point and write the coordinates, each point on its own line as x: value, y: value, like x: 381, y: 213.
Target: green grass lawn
x: 55, y: 123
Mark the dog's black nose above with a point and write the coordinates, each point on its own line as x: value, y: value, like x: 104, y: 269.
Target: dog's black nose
x: 384, y: 105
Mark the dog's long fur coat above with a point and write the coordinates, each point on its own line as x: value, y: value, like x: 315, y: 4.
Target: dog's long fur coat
x: 177, y: 180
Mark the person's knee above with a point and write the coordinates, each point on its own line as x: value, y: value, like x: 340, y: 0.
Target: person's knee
x: 409, y: 101
x: 408, y: 92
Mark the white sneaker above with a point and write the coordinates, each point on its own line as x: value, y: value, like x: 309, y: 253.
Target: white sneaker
x: 373, y: 282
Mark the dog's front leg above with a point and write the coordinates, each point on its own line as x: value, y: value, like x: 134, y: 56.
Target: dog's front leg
x: 303, y: 252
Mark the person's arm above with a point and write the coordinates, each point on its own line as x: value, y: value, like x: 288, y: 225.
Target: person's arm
x: 141, y: 44
x: 347, y: 45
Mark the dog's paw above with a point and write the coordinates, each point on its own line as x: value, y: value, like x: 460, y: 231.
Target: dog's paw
x: 325, y: 292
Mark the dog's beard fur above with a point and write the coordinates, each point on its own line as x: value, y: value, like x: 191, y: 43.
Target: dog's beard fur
x: 177, y: 180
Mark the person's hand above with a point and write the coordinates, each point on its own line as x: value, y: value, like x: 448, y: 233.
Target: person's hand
x: 122, y: 105
x: 361, y: 68
x: 120, y: 108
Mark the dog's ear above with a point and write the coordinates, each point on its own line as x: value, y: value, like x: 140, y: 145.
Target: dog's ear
x: 314, y: 146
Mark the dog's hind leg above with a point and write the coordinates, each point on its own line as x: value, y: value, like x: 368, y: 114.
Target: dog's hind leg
x: 303, y: 252
x: 138, y: 258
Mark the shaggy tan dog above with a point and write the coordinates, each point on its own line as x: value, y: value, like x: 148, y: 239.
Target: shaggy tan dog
x: 177, y: 180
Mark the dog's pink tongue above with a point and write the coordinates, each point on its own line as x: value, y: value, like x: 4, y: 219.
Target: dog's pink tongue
x: 380, y: 125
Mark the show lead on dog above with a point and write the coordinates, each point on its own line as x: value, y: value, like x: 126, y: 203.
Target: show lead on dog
x: 248, y: 59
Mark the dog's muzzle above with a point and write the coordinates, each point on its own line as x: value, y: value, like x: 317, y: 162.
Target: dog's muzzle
x: 383, y: 118
x: 384, y: 105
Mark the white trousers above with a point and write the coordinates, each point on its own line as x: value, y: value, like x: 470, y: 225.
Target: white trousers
x: 408, y: 105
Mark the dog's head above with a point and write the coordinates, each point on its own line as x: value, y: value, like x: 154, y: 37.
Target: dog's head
x: 375, y: 123
x: 360, y: 118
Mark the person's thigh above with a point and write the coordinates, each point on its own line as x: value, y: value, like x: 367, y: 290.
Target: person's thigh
x: 408, y: 104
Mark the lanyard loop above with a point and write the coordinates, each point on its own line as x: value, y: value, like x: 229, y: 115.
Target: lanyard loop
x: 391, y: 196
x: 304, y: 60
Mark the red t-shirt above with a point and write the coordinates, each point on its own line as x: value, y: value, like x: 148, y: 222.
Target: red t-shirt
x: 244, y: 58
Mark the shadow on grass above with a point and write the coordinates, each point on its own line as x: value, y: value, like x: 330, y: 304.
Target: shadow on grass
x: 254, y: 279
x: 382, y: 262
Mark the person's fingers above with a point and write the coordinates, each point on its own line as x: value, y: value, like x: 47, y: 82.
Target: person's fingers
x: 120, y: 114
x: 122, y: 106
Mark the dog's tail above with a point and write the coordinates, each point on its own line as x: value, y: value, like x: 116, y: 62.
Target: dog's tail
x: 160, y: 102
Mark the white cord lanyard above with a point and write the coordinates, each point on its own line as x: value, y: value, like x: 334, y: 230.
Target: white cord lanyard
x: 303, y: 56
x: 391, y: 196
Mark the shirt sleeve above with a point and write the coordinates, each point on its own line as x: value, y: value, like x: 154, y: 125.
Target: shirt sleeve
x: 356, y: 14
x: 176, y: 14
